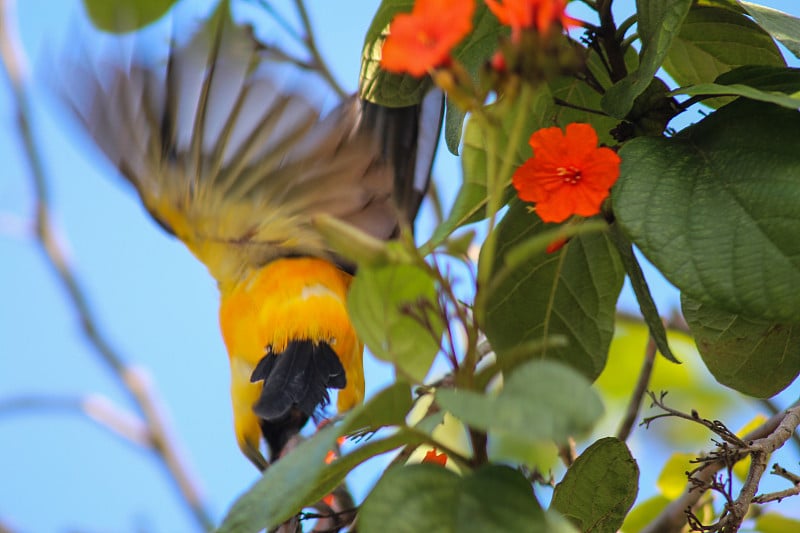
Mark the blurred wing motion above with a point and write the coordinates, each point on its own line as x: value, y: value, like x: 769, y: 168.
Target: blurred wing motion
x: 236, y: 167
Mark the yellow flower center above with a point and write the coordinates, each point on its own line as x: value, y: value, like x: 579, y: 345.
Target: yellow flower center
x: 570, y: 174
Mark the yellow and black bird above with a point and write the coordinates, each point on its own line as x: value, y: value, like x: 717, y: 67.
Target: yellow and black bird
x: 237, y: 166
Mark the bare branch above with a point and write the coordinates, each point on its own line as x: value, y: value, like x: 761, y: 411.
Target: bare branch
x: 132, y: 380
x: 759, y: 443
x: 778, y: 470
x: 311, y: 45
x: 95, y: 407
x: 639, y: 391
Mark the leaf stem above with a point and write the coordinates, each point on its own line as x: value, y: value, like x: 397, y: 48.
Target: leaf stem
x: 496, y: 186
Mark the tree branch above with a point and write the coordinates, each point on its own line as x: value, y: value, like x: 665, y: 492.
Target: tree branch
x: 639, y: 391
x: 133, y: 381
x: 758, y: 443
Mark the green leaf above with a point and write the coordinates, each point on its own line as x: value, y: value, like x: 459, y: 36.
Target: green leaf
x: 672, y: 480
x: 715, y: 208
x: 713, y: 41
x: 782, y: 26
x: 284, y: 489
x: 470, y: 204
x: 540, y: 401
x: 472, y: 53
x: 777, y: 85
x: 755, y: 357
x: 387, y: 305
x: 766, y: 78
x: 302, y: 477
x: 121, y: 16
x: 717, y: 89
x: 640, y: 288
x: 493, y: 498
x: 644, y: 513
x: 570, y: 293
x: 389, y: 407
x: 659, y: 22
x: 599, y: 488
x: 375, y: 84
x: 578, y: 97
x: 776, y: 523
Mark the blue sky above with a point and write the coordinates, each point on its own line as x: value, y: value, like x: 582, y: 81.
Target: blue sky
x: 153, y: 300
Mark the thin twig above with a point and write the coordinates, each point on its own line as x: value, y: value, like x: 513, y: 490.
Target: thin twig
x: 635, y: 403
x: 773, y: 409
x: 766, y: 438
x: 134, y: 382
x: 311, y: 44
x: 794, y: 479
x: 97, y: 408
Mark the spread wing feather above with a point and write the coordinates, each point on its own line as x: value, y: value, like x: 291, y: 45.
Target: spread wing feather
x: 228, y: 160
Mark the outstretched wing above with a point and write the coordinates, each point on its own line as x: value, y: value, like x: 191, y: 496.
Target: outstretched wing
x: 236, y: 165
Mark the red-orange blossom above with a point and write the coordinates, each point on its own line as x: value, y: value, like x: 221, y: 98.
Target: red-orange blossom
x: 568, y: 174
x: 423, y: 39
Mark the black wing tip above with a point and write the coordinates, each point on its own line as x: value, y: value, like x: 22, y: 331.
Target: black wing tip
x: 296, y: 383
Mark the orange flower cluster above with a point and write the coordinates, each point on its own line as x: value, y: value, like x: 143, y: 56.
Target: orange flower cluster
x: 529, y: 14
x: 423, y: 39
x: 568, y: 174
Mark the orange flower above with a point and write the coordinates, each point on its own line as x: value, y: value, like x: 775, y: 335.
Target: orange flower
x: 435, y: 458
x: 568, y: 174
x: 527, y: 14
x: 423, y: 39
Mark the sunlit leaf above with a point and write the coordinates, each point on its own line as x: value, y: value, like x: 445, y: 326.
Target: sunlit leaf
x: 672, y: 480
x: 540, y: 401
x: 395, y: 312
x: 713, y: 41
x: 470, y: 204
x: 782, y: 26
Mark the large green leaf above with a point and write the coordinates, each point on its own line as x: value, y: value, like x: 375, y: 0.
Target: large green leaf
x: 715, y: 208
x: 753, y: 356
x: 783, y: 27
x: 375, y: 84
x: 570, y: 293
x: 540, y: 401
x: 431, y: 498
x: 599, y: 487
x: 659, y: 22
x: 470, y: 204
x: 121, y: 16
x: 713, y: 41
x: 395, y: 312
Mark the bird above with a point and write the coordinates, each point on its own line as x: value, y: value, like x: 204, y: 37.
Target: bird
x: 237, y: 163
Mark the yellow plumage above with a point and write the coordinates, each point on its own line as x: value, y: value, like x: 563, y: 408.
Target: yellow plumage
x: 263, y: 310
x: 237, y: 166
